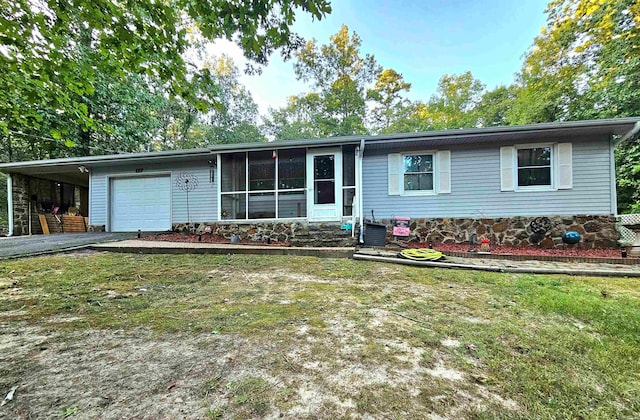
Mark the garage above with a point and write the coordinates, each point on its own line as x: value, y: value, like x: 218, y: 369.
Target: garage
x: 141, y: 203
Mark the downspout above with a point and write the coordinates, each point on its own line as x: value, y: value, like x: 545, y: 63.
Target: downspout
x: 361, y: 192
x: 10, y: 203
x: 612, y: 177
x: 613, y: 143
x: 630, y: 134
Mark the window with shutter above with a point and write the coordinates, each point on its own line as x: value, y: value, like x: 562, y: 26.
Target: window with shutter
x: 529, y: 167
x: 420, y: 173
x: 417, y: 173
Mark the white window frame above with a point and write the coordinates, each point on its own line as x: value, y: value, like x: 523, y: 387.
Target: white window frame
x: 434, y: 160
x: 276, y: 192
x: 552, y: 160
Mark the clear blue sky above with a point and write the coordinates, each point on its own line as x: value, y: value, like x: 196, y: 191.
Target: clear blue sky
x: 423, y: 40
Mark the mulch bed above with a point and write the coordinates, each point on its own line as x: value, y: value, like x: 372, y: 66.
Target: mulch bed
x: 529, y: 250
x: 206, y: 238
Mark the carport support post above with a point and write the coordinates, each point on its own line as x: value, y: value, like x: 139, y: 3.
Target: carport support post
x: 10, y: 204
x: 30, y: 221
x: 19, y: 206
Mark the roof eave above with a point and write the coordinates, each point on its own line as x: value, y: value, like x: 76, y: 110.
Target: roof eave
x: 616, y: 126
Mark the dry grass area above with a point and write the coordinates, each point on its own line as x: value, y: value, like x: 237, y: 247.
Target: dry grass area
x: 153, y: 336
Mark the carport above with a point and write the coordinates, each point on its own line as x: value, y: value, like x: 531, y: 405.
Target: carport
x: 47, y: 197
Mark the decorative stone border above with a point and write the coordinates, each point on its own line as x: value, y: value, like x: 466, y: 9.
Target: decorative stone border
x: 552, y: 258
x: 498, y: 269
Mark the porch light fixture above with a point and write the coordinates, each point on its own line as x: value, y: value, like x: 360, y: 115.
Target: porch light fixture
x: 83, y: 169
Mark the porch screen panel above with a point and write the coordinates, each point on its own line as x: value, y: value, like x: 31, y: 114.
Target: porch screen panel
x: 234, y: 206
x: 263, y: 185
x: 347, y: 201
x: 262, y: 171
x: 262, y: 206
x: 233, y: 172
x: 292, y: 204
x: 291, y: 169
x: 349, y: 166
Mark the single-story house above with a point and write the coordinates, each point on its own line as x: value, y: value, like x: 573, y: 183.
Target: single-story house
x: 516, y: 185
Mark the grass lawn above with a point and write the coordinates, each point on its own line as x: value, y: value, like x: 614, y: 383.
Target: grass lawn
x: 155, y: 336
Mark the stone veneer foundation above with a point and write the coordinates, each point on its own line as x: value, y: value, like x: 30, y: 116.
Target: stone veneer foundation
x: 295, y: 233
x: 96, y: 228
x: 596, y: 231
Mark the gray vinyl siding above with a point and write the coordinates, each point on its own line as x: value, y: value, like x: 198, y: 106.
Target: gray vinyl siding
x: 202, y: 201
x: 475, y: 186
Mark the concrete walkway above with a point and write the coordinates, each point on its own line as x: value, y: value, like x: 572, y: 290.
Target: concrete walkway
x: 507, y: 266
x: 111, y: 243
x: 25, y: 246
x: 166, y: 247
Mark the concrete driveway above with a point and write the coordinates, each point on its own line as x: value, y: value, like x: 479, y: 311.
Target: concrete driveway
x: 38, y: 244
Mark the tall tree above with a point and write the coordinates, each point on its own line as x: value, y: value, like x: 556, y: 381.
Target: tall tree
x: 453, y: 106
x: 454, y: 103
x: 494, y: 107
x: 388, y: 102
x: 299, y: 119
x: 340, y: 75
x: 414, y: 117
x: 586, y: 64
x: 234, y: 119
x: 39, y: 46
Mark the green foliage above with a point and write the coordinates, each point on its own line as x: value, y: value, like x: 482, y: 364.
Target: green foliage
x: 340, y: 77
x: 298, y: 120
x: 455, y: 101
x: 585, y: 64
x: 628, y: 177
x: 234, y: 119
x: 494, y: 106
x: 56, y: 55
x: 455, y: 105
x: 388, y: 103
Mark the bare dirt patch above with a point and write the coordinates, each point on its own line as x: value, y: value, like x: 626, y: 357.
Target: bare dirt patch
x: 110, y: 374
x: 111, y: 336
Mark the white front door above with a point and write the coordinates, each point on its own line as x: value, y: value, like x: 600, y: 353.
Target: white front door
x: 324, y: 184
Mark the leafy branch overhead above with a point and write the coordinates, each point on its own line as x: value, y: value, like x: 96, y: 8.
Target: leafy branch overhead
x: 107, y: 76
x: 40, y: 46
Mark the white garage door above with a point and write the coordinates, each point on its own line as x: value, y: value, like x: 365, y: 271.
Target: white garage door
x: 142, y: 203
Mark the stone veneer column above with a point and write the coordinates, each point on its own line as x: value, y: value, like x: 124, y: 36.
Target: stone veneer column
x: 20, y: 193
